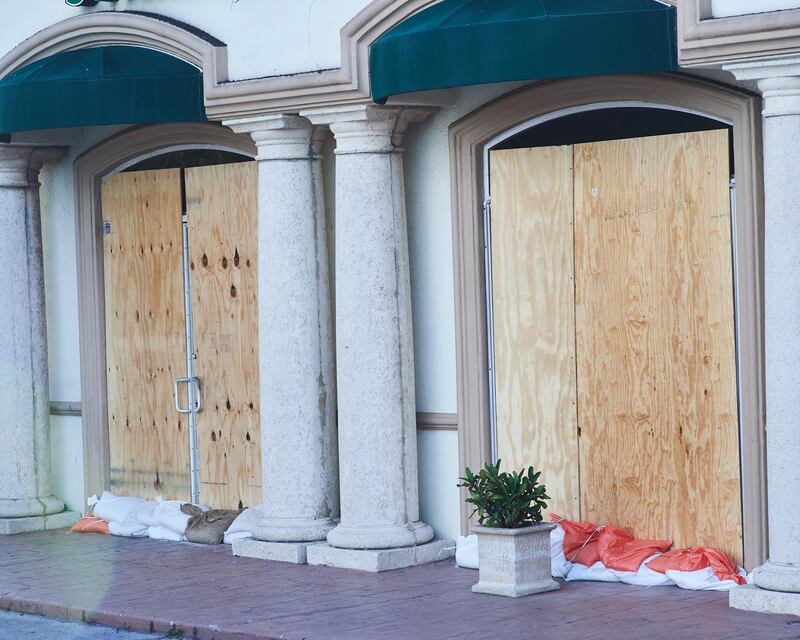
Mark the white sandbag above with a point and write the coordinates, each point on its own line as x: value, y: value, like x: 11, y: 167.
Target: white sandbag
x: 467, y: 551
x: 118, y: 509
x: 700, y: 580
x: 242, y: 526
x: 168, y: 514
x: 596, y: 573
x: 134, y: 530
x: 645, y: 576
x: 162, y: 533
x: 145, y: 515
x: 559, y: 565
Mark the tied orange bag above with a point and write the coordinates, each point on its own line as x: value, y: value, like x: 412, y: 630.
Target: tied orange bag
x: 619, y: 550
x: 580, y: 540
x: 91, y: 524
x: 696, y: 558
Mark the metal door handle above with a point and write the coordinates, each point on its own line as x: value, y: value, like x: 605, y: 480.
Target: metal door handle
x: 198, y: 405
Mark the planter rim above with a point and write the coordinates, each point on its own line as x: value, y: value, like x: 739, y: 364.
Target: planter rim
x: 520, y: 531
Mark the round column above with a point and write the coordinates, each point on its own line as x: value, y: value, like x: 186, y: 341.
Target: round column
x: 24, y: 402
x: 298, y: 393
x: 374, y: 341
x: 782, y: 329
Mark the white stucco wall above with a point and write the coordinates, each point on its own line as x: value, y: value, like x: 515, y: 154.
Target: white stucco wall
x: 264, y: 37
x: 727, y: 8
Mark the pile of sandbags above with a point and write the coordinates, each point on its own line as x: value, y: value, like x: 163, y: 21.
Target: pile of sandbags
x: 167, y: 520
x: 587, y: 551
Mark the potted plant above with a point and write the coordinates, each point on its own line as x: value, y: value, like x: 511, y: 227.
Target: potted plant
x: 513, y: 544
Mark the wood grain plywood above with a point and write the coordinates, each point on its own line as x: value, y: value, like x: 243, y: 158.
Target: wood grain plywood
x: 222, y: 207
x: 533, y: 306
x: 145, y: 333
x: 657, y: 403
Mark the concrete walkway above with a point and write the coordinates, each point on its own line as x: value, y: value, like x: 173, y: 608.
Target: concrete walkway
x: 206, y: 593
x: 20, y: 625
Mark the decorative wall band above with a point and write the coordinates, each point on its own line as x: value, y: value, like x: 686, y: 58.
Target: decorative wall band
x: 64, y: 408
x: 437, y: 421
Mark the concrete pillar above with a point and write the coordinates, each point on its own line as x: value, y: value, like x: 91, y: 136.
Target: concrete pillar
x: 298, y: 392
x: 777, y: 582
x: 26, y: 500
x: 374, y: 346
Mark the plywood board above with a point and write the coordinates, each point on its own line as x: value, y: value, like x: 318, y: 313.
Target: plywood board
x: 145, y: 333
x: 657, y: 404
x: 533, y: 306
x: 222, y: 207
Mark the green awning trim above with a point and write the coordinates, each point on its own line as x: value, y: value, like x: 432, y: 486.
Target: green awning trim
x: 458, y: 43
x: 101, y: 86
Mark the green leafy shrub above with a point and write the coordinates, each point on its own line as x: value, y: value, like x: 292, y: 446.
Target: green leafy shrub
x: 505, y: 500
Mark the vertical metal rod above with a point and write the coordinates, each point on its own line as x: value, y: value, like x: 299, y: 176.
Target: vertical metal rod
x: 191, y: 389
x: 487, y: 256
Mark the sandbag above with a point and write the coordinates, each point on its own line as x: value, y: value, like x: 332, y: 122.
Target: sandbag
x: 703, y: 580
x: 208, y: 527
x: 619, y: 550
x: 580, y: 540
x: 145, y: 514
x: 162, y: 533
x: 559, y: 565
x: 115, y: 508
x: 467, y: 551
x: 597, y: 572
x: 243, y: 525
x: 644, y: 576
x: 697, y: 559
x: 168, y: 515
x: 135, y: 530
x: 90, y: 524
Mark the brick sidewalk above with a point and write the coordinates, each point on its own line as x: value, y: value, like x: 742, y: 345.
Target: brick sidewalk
x: 147, y: 585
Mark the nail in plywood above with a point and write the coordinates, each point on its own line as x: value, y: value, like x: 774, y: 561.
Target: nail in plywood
x: 657, y: 403
x: 222, y: 207
x: 145, y: 333
x: 534, y: 326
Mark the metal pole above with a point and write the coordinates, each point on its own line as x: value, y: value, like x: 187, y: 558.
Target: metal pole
x: 193, y: 386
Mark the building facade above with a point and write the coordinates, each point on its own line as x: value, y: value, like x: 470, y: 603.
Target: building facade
x: 267, y: 253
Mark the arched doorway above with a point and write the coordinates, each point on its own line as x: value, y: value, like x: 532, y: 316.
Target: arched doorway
x: 511, y: 121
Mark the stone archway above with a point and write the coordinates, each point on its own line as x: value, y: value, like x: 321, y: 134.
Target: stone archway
x: 469, y: 138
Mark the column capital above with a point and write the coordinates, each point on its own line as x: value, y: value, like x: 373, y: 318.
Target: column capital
x: 14, y: 162
x: 367, y: 128
x: 277, y: 136
x: 778, y: 80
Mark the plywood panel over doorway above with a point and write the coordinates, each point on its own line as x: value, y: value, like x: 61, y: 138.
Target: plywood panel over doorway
x: 144, y: 333
x: 534, y: 329
x: 222, y: 207
x: 657, y: 403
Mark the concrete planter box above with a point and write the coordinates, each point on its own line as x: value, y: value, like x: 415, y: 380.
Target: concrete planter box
x: 514, y: 562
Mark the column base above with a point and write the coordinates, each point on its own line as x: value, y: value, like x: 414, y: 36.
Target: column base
x: 25, y: 507
x: 375, y: 560
x: 27, y: 524
x: 292, y: 529
x: 775, y: 576
x: 410, y: 535
x: 294, y: 552
x: 750, y: 597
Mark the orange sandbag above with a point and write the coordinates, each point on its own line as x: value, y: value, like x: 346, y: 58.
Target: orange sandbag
x: 619, y: 550
x: 91, y: 524
x: 580, y: 540
x: 696, y: 558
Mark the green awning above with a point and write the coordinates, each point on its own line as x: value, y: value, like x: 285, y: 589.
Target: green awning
x: 101, y: 86
x: 457, y: 43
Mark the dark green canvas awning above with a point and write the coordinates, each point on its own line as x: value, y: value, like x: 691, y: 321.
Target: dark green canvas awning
x: 466, y: 42
x: 101, y: 86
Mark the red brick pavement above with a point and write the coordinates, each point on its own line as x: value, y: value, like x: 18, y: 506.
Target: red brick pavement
x: 147, y: 585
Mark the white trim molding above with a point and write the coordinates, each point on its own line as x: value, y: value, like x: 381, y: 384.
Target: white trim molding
x: 704, y: 40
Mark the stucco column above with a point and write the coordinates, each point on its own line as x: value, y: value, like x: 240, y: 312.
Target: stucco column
x: 374, y: 342
x: 298, y: 393
x: 778, y: 580
x: 25, y: 493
